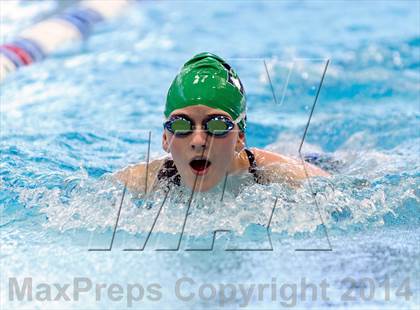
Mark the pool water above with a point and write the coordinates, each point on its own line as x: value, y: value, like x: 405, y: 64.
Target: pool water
x: 69, y: 122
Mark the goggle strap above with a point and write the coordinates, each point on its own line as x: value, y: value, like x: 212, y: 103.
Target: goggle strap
x: 239, y: 118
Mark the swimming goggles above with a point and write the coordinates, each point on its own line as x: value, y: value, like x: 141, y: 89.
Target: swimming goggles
x: 217, y: 125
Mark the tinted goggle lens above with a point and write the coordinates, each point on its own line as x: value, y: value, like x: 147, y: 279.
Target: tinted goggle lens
x: 216, y: 126
x: 179, y: 126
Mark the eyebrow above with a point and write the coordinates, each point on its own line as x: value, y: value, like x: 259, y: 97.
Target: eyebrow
x: 207, y: 116
x: 217, y: 114
x: 182, y: 115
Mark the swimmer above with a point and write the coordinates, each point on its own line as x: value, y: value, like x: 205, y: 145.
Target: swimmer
x: 204, y: 134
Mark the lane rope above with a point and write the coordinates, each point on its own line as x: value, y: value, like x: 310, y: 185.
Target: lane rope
x: 41, y: 39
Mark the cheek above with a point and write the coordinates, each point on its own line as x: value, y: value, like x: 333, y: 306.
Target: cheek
x: 226, y: 147
x: 178, y: 147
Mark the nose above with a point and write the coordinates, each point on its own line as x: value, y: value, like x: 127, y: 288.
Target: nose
x: 199, y: 140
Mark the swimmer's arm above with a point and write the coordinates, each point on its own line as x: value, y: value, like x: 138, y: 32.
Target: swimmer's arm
x: 280, y: 167
x: 134, y: 176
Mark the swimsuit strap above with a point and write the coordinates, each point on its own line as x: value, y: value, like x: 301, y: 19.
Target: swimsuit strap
x: 253, y: 166
x: 252, y: 162
x: 169, y: 172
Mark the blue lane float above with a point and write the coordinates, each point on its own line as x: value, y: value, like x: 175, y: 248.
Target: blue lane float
x: 45, y: 37
x: 87, y: 15
x: 31, y: 47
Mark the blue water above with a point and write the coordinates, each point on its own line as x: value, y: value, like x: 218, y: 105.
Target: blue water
x: 85, y: 112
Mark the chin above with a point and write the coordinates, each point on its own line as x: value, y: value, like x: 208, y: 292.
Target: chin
x: 202, y: 185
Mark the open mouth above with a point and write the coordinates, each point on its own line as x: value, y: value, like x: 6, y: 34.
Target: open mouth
x: 200, y: 165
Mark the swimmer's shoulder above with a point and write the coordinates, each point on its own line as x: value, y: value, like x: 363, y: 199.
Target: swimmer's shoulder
x: 134, y: 176
x: 265, y: 158
x: 278, y: 165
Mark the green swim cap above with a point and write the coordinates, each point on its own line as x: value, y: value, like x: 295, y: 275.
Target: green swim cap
x: 208, y: 80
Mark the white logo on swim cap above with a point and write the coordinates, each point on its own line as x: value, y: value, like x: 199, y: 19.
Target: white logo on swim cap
x: 235, y: 82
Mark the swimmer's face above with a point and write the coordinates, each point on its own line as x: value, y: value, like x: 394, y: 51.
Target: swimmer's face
x: 191, y: 152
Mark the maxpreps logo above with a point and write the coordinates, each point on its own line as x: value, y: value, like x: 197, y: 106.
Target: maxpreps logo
x: 233, y: 79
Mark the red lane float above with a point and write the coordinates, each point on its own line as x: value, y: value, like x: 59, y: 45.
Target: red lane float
x: 21, y: 53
